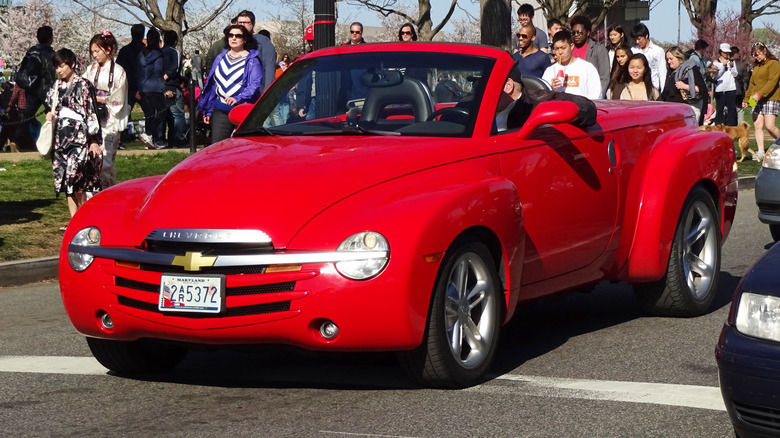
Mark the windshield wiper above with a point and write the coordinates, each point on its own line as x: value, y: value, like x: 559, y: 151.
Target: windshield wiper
x: 362, y: 130
x: 258, y: 130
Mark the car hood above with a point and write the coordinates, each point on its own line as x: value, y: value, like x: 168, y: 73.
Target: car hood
x: 278, y: 185
x: 761, y: 278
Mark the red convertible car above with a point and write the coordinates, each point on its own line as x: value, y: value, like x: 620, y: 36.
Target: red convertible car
x: 369, y: 202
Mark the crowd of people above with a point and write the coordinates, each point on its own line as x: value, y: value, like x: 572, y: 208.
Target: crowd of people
x: 580, y: 65
x: 91, y: 106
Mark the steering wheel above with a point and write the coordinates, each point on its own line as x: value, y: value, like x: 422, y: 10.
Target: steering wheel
x: 447, y: 110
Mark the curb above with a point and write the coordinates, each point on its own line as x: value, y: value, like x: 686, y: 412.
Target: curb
x: 22, y: 272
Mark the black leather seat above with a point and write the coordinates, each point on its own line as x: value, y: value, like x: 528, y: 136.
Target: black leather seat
x: 409, y: 91
x: 534, y: 83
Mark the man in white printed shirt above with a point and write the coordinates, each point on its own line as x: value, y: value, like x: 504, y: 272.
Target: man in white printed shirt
x: 655, y: 55
x: 571, y: 74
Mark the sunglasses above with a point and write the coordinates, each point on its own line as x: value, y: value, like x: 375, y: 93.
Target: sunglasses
x: 522, y: 36
x: 578, y: 32
x: 236, y: 35
x: 355, y: 31
x: 405, y: 32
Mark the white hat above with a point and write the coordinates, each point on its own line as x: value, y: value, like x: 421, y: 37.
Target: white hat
x: 725, y: 47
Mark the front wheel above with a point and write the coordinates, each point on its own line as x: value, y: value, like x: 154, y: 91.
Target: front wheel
x: 136, y: 357
x: 691, y: 279
x: 463, y: 322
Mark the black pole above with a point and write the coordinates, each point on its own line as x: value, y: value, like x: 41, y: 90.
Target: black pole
x: 191, y: 103
x: 324, y: 24
x: 325, y: 36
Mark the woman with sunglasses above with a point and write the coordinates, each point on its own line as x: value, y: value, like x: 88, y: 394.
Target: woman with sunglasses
x: 765, y: 92
x: 235, y: 79
x: 406, y: 33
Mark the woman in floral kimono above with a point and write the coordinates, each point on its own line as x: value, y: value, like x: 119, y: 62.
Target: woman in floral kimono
x: 77, y: 157
x: 110, y: 83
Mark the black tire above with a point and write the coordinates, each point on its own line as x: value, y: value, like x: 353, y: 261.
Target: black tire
x: 450, y: 357
x: 774, y: 229
x: 691, y: 279
x: 136, y: 357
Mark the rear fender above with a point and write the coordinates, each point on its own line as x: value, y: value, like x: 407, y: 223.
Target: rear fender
x: 664, y: 176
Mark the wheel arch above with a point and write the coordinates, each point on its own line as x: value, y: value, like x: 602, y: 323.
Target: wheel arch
x: 671, y: 170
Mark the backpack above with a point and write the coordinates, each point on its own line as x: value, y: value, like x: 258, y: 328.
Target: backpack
x: 34, y: 73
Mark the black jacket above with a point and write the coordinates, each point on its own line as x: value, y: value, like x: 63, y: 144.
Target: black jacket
x: 531, y: 98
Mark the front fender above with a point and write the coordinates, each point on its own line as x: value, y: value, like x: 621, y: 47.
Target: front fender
x: 662, y: 179
x: 421, y: 215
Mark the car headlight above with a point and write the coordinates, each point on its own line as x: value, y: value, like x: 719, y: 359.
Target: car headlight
x: 364, y: 268
x: 89, y: 236
x: 759, y: 316
x: 772, y: 157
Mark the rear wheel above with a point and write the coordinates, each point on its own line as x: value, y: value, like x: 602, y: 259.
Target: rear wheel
x: 691, y: 279
x: 136, y: 357
x: 463, y: 323
x: 774, y: 229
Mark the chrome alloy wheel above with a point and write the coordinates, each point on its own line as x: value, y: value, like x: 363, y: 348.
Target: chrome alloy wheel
x: 700, y: 249
x: 469, y: 310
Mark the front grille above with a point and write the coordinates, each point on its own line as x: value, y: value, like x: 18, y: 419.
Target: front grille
x: 769, y: 209
x: 766, y: 418
x: 258, y: 309
x: 227, y: 270
x: 286, y: 286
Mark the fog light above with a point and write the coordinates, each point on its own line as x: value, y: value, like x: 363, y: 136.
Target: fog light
x: 107, y: 322
x: 329, y: 330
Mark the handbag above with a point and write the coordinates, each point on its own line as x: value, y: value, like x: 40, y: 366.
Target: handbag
x: 101, y: 108
x: 46, y: 136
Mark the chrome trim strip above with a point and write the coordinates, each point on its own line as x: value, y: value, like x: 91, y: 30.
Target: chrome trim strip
x: 139, y: 256
x: 208, y: 235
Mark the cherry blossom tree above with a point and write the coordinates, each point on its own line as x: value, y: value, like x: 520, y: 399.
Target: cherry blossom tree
x: 18, y: 26
x: 150, y: 14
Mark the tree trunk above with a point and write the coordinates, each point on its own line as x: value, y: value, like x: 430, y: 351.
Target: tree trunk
x: 496, y: 23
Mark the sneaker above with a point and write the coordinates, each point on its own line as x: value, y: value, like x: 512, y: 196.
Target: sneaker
x: 146, y: 138
x: 159, y: 146
x: 758, y: 156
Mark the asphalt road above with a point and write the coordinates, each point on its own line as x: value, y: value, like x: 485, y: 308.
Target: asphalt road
x: 580, y: 365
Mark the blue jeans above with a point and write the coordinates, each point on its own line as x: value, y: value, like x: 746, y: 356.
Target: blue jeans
x: 278, y: 116
x: 179, y: 126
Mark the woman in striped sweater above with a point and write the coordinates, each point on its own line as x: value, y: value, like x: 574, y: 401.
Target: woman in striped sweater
x: 235, y: 78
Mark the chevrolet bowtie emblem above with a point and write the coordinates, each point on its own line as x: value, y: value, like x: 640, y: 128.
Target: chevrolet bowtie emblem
x: 193, y: 261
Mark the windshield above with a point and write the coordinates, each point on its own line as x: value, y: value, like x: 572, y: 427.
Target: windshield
x: 379, y: 93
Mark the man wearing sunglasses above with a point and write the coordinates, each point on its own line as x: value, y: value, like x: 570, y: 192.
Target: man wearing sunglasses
x: 530, y: 60
x: 588, y: 50
x: 355, y: 34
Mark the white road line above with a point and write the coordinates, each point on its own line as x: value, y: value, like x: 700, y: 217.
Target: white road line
x: 692, y: 396
x: 51, y: 365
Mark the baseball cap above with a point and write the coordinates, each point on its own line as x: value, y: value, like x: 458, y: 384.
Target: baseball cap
x: 309, y: 34
x: 725, y: 47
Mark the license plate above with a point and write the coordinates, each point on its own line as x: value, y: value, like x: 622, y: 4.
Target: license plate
x: 201, y: 294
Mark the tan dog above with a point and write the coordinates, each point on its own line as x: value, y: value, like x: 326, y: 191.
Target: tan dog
x: 740, y: 133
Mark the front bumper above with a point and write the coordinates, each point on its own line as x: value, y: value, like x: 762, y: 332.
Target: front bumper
x: 768, y: 195
x: 385, y: 313
x: 749, y: 372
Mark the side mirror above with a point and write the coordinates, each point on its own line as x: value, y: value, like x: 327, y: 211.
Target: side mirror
x: 239, y: 113
x: 547, y: 113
